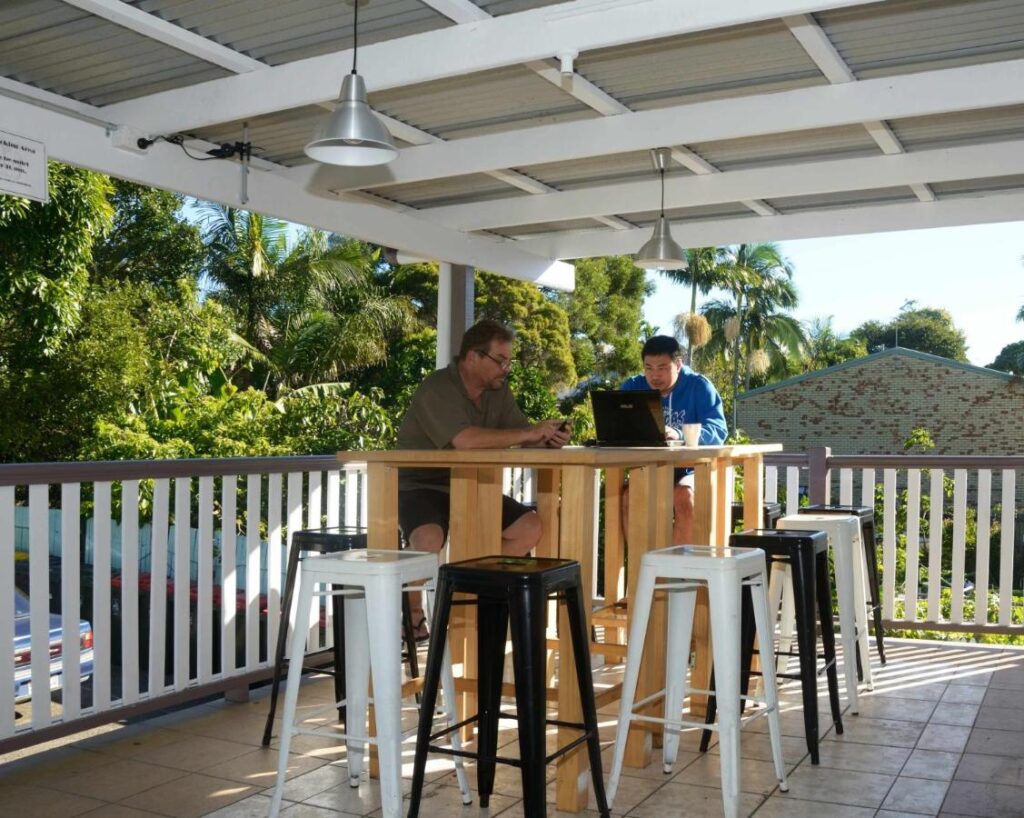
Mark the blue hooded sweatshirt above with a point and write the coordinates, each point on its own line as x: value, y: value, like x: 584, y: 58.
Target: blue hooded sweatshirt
x: 693, y: 399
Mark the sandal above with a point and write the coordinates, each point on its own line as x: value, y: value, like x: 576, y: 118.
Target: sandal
x: 420, y: 631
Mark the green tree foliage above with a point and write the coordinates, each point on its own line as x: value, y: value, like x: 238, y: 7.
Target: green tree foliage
x: 1010, y: 359
x: 148, y: 242
x: 605, y: 313
x: 825, y: 348
x: 45, y: 255
x: 542, y: 327
x: 925, y: 329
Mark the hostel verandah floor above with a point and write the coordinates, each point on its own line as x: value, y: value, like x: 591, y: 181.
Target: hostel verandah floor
x: 942, y: 734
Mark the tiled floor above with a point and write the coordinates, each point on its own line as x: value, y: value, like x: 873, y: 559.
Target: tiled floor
x: 941, y: 734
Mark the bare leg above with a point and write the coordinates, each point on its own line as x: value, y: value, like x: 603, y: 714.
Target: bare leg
x: 682, y: 524
x: 429, y: 537
x: 520, y: 538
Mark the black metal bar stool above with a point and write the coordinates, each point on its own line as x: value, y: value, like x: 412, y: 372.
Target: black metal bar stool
x: 866, y: 514
x: 806, y: 554
x: 770, y: 512
x: 327, y: 541
x: 510, y: 590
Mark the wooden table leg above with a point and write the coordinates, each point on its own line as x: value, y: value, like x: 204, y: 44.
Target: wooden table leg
x: 753, y: 491
x: 575, y: 541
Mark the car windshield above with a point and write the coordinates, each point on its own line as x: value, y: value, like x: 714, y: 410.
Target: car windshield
x: 21, y: 605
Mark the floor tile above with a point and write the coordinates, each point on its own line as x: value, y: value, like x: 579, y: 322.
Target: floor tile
x: 865, y: 758
x: 191, y: 796
x: 121, y: 811
x: 688, y: 801
x: 886, y: 707
x: 259, y: 767
x: 954, y: 713
x: 946, y: 737
x: 1008, y: 679
x: 991, y: 769
x: 964, y: 694
x: 935, y: 764
x: 1007, y: 743
x: 998, y: 697
x: 755, y: 776
x: 1000, y: 718
x: 118, y: 780
x: 784, y: 805
x: 864, y: 730
x: 916, y: 795
x: 853, y: 788
x: 985, y: 800
x: 40, y: 802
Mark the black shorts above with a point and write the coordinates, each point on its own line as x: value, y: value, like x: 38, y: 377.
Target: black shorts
x: 418, y: 507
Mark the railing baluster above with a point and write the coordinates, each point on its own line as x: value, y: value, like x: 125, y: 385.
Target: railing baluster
x: 182, y: 579
x: 867, y: 488
x: 71, y: 596
x: 158, y: 588
x: 981, y: 553
x: 771, y: 484
x: 1008, y: 497
x: 936, y: 496
x: 102, y: 632
x: 889, y: 543
x: 913, y: 543
x: 7, y: 611
x: 351, y: 515
x: 294, y: 501
x: 792, y: 489
x: 313, y: 503
x: 253, y: 499
x: 846, y: 487
x: 274, y: 484
x: 333, y: 498
x: 204, y: 582
x: 129, y: 590
x: 228, y: 569
x: 39, y: 601
x: 959, y: 545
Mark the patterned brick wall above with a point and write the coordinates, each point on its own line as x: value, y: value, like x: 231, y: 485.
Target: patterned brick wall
x: 871, y: 406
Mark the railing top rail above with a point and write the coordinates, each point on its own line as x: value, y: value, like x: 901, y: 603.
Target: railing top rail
x: 924, y: 461
x: 786, y: 459
x: 21, y: 474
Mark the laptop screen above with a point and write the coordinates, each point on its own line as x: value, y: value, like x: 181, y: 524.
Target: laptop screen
x: 631, y: 418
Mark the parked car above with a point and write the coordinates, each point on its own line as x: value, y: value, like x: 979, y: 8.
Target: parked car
x: 23, y: 649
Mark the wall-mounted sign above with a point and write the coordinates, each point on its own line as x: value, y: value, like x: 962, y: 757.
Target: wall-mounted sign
x: 23, y: 167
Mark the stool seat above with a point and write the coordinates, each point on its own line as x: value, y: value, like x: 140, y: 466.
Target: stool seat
x: 373, y: 582
x: 770, y: 513
x: 866, y: 515
x: 512, y: 591
x: 728, y: 573
x: 801, y: 558
x: 844, y: 535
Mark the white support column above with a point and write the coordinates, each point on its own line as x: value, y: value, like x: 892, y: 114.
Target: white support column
x: 455, y: 295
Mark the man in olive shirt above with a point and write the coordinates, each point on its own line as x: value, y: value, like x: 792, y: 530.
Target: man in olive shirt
x: 468, y: 405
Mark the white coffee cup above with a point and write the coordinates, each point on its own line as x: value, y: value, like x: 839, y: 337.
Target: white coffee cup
x: 691, y: 434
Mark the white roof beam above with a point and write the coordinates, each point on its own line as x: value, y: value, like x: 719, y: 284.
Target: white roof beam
x: 928, y: 92
x: 536, y: 34
x: 881, y: 218
x: 165, y: 166
x: 155, y: 28
x: 831, y: 63
x: 772, y: 182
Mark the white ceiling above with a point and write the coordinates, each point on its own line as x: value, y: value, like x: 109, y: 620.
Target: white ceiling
x: 787, y: 118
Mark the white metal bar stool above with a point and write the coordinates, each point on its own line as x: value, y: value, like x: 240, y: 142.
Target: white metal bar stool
x: 844, y: 538
x: 374, y: 580
x: 725, y: 571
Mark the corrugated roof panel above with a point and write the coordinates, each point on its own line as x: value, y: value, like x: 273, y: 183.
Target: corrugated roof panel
x: 279, y: 137
x: 850, y: 198
x: 279, y: 31
x: 968, y: 187
x: 988, y: 125
x: 595, y: 170
x: 475, y: 187
x: 484, y: 102
x: 87, y: 58
x: 688, y: 214
x: 772, y: 149
x: 725, y: 62
x: 901, y: 36
x: 521, y: 230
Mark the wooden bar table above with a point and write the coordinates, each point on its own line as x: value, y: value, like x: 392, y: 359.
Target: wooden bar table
x: 565, y: 503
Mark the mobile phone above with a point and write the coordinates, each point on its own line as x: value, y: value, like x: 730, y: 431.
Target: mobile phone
x: 564, y: 425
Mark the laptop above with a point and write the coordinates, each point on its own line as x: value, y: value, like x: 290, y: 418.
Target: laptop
x: 629, y: 418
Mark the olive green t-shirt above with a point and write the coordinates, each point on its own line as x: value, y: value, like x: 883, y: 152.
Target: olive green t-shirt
x: 440, y: 409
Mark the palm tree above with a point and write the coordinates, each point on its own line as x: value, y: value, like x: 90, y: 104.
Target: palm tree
x: 760, y: 280
x: 703, y: 273
x: 309, y: 312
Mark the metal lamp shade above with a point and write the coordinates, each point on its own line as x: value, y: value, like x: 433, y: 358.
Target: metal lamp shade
x: 661, y: 252
x: 353, y: 136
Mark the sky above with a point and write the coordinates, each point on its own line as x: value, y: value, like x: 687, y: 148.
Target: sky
x: 975, y: 272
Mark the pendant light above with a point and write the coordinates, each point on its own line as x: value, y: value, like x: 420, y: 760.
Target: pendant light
x: 661, y: 252
x: 354, y: 136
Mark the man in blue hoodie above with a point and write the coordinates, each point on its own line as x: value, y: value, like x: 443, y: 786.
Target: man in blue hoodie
x: 686, y: 397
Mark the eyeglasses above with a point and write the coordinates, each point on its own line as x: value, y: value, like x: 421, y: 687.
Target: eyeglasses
x: 505, y: 365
